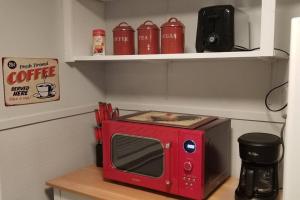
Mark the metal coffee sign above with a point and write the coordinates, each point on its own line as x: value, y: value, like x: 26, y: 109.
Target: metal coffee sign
x: 30, y: 80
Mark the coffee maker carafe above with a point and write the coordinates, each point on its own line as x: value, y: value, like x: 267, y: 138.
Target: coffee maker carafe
x: 259, y: 172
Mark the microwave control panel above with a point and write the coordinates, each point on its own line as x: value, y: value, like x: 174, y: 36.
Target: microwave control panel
x: 191, y: 164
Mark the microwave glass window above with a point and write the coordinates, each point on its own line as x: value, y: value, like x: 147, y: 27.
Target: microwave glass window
x: 138, y: 155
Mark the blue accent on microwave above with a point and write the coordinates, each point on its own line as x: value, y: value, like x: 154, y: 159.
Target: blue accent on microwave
x: 189, y: 146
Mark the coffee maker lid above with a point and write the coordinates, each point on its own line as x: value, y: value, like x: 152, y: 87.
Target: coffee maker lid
x: 259, y: 139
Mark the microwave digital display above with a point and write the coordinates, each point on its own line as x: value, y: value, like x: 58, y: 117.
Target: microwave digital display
x: 189, y: 146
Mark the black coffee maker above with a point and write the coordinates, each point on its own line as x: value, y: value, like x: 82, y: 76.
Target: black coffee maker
x: 259, y: 172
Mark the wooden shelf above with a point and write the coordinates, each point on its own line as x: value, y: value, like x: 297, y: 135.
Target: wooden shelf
x: 89, y: 182
x: 184, y: 57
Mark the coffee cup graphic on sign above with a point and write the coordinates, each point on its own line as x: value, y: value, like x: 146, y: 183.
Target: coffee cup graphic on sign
x: 45, y: 90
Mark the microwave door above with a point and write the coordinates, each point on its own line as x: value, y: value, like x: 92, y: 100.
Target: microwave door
x: 132, y: 162
x: 138, y: 155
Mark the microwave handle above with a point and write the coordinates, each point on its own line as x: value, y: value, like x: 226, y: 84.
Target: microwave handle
x: 168, y: 163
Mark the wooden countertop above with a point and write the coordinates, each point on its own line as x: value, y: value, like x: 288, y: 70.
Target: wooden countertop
x: 88, y: 181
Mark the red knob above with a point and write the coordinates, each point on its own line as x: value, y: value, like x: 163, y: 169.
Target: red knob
x: 188, y: 166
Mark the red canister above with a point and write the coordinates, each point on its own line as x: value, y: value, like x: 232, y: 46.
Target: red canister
x: 172, y: 36
x: 123, y: 36
x: 148, y: 38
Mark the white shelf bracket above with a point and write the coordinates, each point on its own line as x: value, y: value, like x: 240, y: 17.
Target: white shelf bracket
x: 68, y: 27
x: 267, y: 34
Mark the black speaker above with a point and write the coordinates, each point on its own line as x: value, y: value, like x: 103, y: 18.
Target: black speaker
x: 215, y: 30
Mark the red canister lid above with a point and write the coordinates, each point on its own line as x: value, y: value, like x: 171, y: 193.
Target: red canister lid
x: 148, y: 25
x: 173, y: 22
x: 123, y: 26
x: 98, y: 32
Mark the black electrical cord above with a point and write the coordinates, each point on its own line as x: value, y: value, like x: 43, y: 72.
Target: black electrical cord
x: 283, y: 147
x: 282, y: 51
x: 255, y: 49
x: 269, y: 93
x: 282, y: 142
x: 241, y: 48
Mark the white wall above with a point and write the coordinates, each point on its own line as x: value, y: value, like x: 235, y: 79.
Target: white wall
x: 286, y: 10
x: 91, y: 17
x: 32, y: 154
x: 33, y: 28
x: 234, y: 89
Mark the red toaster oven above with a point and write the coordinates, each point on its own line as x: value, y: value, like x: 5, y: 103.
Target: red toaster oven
x: 190, y: 163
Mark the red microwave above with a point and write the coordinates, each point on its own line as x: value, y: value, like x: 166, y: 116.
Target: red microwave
x: 190, y: 163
